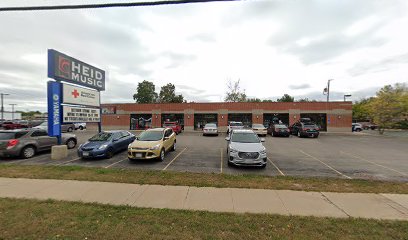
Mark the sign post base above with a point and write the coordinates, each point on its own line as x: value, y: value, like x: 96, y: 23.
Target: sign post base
x: 59, y: 152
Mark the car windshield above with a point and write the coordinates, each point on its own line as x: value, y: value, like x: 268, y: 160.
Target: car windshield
x: 236, y: 124
x: 280, y: 126
x: 151, y: 136
x: 12, y: 135
x: 44, y: 124
x: 245, y: 137
x: 257, y: 126
x: 211, y: 125
x: 169, y: 124
x: 103, y: 136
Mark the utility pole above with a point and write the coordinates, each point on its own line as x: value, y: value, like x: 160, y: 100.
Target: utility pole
x: 2, y: 108
x: 12, y: 110
x: 328, y: 89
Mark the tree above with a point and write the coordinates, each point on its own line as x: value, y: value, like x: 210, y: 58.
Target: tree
x: 361, y: 109
x: 286, y: 98
x: 145, y: 93
x: 168, y: 94
x: 267, y: 100
x: 254, y: 100
x: 234, y: 93
x: 305, y: 100
x: 389, y: 106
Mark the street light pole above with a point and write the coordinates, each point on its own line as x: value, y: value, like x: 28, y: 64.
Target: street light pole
x: 2, y: 107
x: 12, y: 110
x: 328, y: 89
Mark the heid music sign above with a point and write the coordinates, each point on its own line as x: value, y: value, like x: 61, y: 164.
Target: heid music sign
x: 65, y: 68
x: 80, y: 96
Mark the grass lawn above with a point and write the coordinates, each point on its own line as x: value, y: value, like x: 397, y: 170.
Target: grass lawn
x: 201, y: 179
x: 32, y: 219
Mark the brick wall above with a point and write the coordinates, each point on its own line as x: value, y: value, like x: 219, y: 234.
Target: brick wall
x: 339, y: 113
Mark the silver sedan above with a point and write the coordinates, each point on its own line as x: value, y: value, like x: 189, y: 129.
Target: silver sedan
x: 210, y: 129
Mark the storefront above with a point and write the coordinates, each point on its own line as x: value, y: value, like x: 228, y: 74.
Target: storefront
x: 140, y: 121
x: 332, y: 116
x: 200, y: 119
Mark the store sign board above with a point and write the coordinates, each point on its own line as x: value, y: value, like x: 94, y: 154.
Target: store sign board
x: 72, y: 114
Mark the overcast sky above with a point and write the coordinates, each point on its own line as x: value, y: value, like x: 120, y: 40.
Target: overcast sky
x: 272, y: 46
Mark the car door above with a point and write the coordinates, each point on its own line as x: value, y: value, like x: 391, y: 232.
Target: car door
x: 167, y: 142
x: 43, y: 140
x: 124, y: 140
x: 116, y: 141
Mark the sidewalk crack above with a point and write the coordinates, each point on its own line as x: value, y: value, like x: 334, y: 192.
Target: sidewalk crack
x: 185, y: 199
x: 328, y: 200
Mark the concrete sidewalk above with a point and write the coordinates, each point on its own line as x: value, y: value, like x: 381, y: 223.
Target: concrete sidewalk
x: 285, y: 202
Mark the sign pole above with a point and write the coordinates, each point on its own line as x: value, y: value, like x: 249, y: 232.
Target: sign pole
x: 54, y: 109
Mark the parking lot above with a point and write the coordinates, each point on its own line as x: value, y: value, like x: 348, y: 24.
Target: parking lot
x: 351, y: 156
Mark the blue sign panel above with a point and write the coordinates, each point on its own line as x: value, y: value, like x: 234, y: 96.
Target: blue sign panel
x: 54, y: 108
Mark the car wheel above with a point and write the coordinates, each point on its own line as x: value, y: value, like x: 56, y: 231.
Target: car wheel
x: 28, y: 152
x: 358, y: 130
x: 298, y: 134
x: 272, y: 134
x: 109, y: 153
x: 71, y: 143
x: 173, y: 148
x: 230, y: 163
x: 161, y: 158
x: 81, y: 128
x: 69, y: 129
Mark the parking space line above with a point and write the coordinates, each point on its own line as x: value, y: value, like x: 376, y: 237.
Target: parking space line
x: 174, y: 159
x: 221, y: 158
x: 281, y: 173
x: 379, y: 165
x: 315, y: 158
x: 113, y: 164
x: 72, y: 160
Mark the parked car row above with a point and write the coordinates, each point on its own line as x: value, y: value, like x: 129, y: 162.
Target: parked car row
x: 302, y: 128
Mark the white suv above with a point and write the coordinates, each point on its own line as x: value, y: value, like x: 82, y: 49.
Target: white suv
x: 234, y: 125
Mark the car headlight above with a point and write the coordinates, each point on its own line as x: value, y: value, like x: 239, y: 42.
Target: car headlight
x: 155, y: 147
x: 233, y: 150
x: 130, y: 145
x: 263, y: 151
x: 103, y: 146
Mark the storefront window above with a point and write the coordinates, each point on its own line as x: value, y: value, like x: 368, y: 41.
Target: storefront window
x: 140, y: 121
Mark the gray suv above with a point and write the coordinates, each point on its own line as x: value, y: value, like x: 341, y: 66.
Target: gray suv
x: 27, y: 142
x: 245, y: 149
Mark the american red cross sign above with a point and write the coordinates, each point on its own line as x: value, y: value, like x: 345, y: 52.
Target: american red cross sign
x: 75, y: 93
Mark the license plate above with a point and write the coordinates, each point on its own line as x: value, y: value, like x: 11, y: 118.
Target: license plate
x: 85, y: 154
x: 138, y: 155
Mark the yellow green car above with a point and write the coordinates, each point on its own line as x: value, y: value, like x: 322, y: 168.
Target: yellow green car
x: 152, y: 144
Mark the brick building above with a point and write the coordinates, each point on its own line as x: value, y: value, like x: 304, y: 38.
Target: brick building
x: 332, y: 116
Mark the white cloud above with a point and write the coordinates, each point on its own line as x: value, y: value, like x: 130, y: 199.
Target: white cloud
x: 274, y: 47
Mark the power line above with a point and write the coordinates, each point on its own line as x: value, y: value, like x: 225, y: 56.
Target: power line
x: 107, y: 5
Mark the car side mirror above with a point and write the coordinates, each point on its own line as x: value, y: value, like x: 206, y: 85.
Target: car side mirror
x: 227, y: 139
x: 166, y: 138
x: 115, y: 139
x: 262, y: 139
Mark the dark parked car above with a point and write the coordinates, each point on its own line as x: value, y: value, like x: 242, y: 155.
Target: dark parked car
x: 106, y: 144
x: 305, y: 129
x: 27, y: 142
x: 13, y: 125
x: 278, y: 130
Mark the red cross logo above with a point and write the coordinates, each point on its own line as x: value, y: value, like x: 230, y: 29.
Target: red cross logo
x: 75, y: 93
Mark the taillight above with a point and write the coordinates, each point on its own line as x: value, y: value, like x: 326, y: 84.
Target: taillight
x: 11, y: 143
